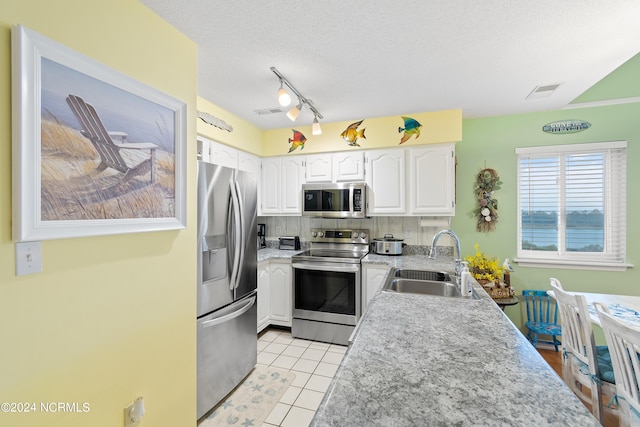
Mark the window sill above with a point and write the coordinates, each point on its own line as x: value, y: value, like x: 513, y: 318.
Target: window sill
x: 573, y: 264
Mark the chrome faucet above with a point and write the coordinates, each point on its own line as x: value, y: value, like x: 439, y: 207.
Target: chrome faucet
x: 458, y: 261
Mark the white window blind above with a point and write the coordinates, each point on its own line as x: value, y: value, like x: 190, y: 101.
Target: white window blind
x: 572, y: 203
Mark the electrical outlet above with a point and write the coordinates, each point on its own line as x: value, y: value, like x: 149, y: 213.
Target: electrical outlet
x: 28, y: 258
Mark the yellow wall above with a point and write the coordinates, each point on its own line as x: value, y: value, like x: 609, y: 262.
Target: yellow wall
x: 439, y: 126
x: 109, y: 318
x: 244, y: 136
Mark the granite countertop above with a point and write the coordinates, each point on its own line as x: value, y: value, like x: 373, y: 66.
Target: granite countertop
x: 428, y: 361
x: 267, y: 254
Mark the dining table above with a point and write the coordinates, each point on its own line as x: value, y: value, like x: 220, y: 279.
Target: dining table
x: 622, y: 307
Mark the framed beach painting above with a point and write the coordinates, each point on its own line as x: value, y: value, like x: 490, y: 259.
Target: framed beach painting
x: 95, y: 152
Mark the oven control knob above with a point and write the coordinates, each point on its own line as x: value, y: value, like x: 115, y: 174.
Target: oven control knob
x: 354, y: 234
x: 363, y: 235
x: 320, y: 233
x: 314, y: 233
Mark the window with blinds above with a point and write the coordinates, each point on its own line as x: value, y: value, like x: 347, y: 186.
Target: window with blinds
x: 572, y: 204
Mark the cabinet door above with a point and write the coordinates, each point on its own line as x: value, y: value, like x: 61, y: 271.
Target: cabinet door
x: 270, y: 187
x: 281, y: 293
x: 264, y: 295
x: 431, y: 180
x: 248, y: 162
x: 224, y: 155
x: 372, y: 282
x: 386, y: 182
x: 318, y: 168
x: 348, y: 166
x: 291, y: 177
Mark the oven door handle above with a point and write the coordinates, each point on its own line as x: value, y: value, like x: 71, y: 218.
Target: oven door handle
x: 352, y: 268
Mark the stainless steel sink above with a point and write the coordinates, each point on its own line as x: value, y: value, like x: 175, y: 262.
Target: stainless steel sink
x: 424, y: 282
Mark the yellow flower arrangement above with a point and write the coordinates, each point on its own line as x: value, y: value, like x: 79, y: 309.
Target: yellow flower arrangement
x: 483, y: 267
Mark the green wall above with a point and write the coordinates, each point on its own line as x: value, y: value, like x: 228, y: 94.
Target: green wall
x: 491, y: 142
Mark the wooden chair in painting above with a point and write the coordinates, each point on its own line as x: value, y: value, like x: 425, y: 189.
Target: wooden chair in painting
x: 110, y: 144
x: 586, y: 368
x: 624, y: 346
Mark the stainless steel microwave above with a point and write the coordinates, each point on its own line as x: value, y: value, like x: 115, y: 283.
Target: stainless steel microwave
x: 339, y: 200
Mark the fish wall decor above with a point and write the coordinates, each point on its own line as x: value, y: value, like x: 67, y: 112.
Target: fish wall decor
x: 351, y: 134
x: 298, y: 140
x: 411, y: 127
x: 566, y: 126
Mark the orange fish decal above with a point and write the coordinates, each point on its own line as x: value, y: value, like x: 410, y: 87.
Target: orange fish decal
x: 351, y: 134
x: 298, y: 140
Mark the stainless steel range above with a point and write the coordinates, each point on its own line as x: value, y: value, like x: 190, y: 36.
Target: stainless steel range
x: 327, y: 285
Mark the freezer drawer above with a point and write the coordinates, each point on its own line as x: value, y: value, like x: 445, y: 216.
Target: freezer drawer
x: 227, y: 351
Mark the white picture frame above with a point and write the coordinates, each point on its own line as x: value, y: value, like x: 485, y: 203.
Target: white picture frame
x: 95, y: 152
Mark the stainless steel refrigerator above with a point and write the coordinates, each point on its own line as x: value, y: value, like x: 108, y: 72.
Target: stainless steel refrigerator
x: 227, y: 281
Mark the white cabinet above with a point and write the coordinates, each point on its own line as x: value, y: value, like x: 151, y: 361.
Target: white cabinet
x: 431, y: 180
x: 348, y: 166
x: 264, y: 295
x: 372, y: 276
x: 225, y: 155
x: 386, y: 182
x: 280, y: 281
x: 319, y: 168
x: 281, y: 186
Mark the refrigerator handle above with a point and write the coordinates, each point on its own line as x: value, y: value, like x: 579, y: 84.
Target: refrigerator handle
x: 241, y: 229
x: 230, y: 316
x: 233, y: 282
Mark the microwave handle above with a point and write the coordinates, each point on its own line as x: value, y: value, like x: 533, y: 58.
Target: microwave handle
x: 352, y: 268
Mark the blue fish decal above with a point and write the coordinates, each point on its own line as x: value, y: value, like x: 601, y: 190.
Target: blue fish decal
x: 411, y: 127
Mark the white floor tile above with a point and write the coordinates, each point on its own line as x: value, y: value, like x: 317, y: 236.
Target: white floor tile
x: 313, y: 354
x: 293, y: 351
x: 309, y: 399
x: 305, y: 365
x: 326, y: 369
x: 277, y: 414
x: 262, y: 345
x: 301, y: 378
x: 331, y: 357
x: 275, y: 348
x: 284, y: 362
x: 284, y: 339
x: 268, y: 425
x: 319, y: 345
x: 298, y: 417
x: 301, y: 343
x: 265, y: 358
x: 268, y: 336
x: 290, y: 395
x: 318, y: 383
x: 334, y: 348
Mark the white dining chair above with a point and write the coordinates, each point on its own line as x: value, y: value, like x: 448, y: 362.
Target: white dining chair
x: 584, y: 366
x: 623, y: 342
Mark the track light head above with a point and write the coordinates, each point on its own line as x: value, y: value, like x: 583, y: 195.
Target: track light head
x: 283, y: 96
x: 294, y: 112
x: 315, y: 127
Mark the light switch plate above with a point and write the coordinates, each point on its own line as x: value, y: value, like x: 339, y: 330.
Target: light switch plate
x: 28, y: 258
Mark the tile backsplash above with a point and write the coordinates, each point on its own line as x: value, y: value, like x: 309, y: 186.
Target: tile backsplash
x: 407, y: 228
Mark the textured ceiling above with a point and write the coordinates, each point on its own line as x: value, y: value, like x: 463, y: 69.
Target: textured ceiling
x: 361, y: 59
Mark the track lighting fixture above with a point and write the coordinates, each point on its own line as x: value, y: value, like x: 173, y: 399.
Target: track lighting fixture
x: 285, y: 99
x: 283, y: 96
x: 315, y: 127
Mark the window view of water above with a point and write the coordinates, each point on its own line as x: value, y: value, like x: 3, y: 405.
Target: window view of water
x: 580, y: 240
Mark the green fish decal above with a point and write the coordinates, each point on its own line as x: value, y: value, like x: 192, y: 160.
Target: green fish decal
x: 298, y: 140
x: 411, y: 127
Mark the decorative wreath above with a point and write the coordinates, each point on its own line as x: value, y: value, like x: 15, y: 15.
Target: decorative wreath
x: 487, y: 181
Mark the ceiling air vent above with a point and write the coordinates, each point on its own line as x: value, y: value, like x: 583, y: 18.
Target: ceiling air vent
x: 268, y: 111
x: 542, y: 91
